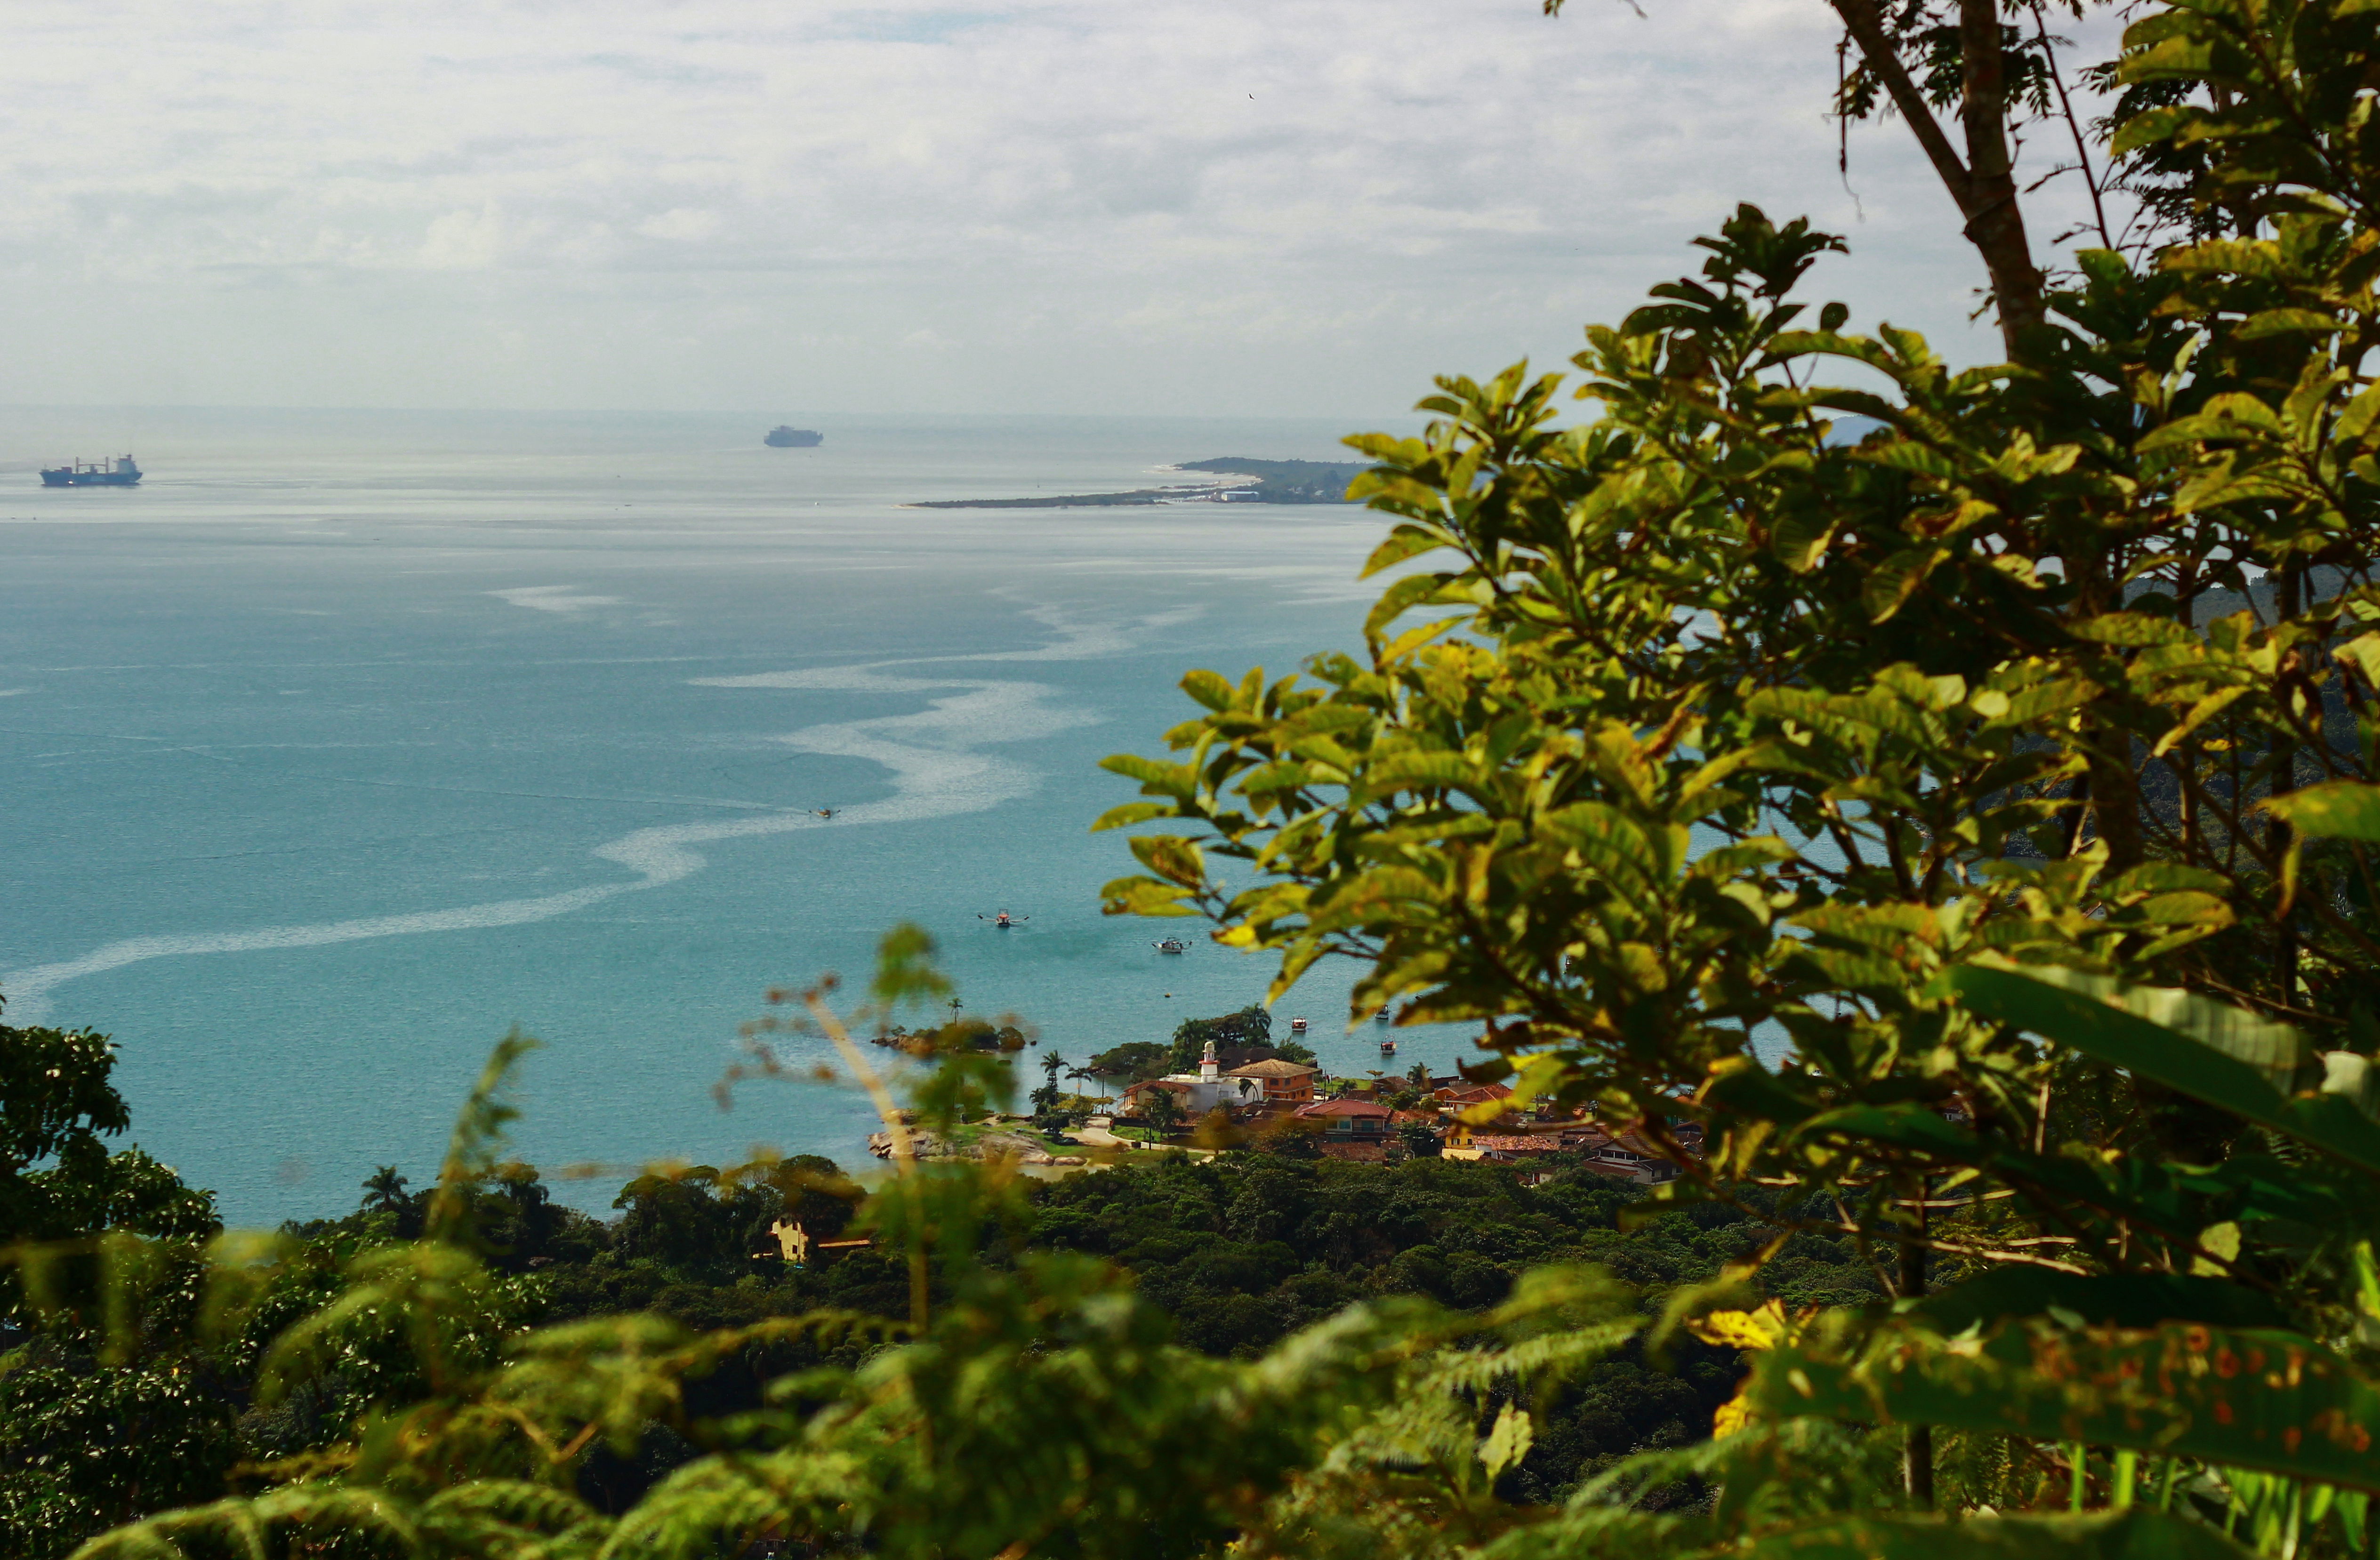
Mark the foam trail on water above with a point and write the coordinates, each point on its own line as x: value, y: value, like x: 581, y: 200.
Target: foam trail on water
x: 935, y: 774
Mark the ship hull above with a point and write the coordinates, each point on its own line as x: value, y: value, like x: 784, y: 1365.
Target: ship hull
x: 89, y: 479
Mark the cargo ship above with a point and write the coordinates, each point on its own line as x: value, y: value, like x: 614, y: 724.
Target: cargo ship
x: 781, y: 437
x: 78, y: 473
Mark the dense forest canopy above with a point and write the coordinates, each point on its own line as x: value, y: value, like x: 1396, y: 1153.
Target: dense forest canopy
x: 1238, y: 1252
x: 1288, y: 482
x: 1245, y: 1033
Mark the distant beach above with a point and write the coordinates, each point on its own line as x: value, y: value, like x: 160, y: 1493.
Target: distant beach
x: 1239, y: 479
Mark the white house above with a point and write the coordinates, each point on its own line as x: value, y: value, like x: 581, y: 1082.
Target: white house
x: 1201, y: 1091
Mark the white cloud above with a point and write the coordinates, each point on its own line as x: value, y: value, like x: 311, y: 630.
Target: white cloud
x: 683, y: 225
x: 462, y: 240
x: 1175, y: 205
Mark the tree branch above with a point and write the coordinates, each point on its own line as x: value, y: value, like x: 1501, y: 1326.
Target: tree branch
x: 1865, y: 24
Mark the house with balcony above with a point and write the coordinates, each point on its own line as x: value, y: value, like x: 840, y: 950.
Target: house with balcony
x: 1349, y: 1115
x: 1279, y: 1082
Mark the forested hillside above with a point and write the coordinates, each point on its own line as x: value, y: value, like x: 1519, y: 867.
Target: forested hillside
x: 1288, y: 482
x: 1237, y: 1251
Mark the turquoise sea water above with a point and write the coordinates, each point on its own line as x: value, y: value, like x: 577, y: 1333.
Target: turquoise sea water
x: 348, y: 740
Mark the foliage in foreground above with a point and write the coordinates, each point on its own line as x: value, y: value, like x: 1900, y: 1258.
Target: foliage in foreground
x: 2012, y: 759
x: 1037, y: 1401
x: 1040, y: 1405
x: 1236, y: 1252
x: 1995, y: 748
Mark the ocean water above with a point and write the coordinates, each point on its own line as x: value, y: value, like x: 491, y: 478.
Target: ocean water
x: 349, y: 741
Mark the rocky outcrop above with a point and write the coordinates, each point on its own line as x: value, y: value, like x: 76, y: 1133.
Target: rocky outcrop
x: 991, y: 1144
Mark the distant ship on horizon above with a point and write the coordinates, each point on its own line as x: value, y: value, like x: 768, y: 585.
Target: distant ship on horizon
x: 80, y: 473
x: 782, y: 437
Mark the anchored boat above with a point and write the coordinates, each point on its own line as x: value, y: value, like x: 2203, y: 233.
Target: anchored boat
x: 121, y: 472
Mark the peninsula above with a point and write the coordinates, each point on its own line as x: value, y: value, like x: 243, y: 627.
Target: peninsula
x: 1272, y: 482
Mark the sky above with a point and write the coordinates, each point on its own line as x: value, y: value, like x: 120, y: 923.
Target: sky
x: 1191, y: 207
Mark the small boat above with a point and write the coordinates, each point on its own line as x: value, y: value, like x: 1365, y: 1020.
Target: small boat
x: 1297, y: 1026
x: 1003, y: 920
x: 1170, y: 945
x: 1388, y: 1048
x: 1382, y: 1016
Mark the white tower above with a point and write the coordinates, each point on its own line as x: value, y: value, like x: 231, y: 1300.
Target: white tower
x: 1209, y: 1069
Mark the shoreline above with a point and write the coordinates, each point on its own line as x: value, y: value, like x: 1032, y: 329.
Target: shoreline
x: 1236, y: 480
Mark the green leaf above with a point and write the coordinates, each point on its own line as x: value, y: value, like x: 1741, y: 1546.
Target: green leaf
x: 1743, y: 1086
x: 2279, y: 322
x: 1132, y: 813
x: 1406, y: 541
x: 1418, y: 769
x: 1143, y: 897
x: 2334, y: 809
x: 1907, y: 454
x: 2137, y: 1534
x: 1209, y: 688
x: 2156, y: 125
x: 1888, y: 588
x: 2132, y: 629
x: 2362, y: 652
x: 2106, y: 1299
x: 1800, y: 539
x: 1155, y: 775
x: 2249, y: 1399
x: 1171, y: 857
x: 1508, y: 1442
x: 1399, y: 598
x: 2111, y: 1012
x: 2220, y: 1054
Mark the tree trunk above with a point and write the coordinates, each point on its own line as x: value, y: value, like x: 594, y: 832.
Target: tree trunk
x: 1995, y: 220
x: 1982, y: 185
x: 2284, y: 780
x: 2115, y: 796
x: 1917, y: 1451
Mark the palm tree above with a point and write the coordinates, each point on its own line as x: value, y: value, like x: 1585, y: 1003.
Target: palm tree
x: 384, y: 1191
x: 1047, y: 1095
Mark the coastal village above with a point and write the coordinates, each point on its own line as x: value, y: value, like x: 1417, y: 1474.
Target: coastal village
x: 1248, y: 1094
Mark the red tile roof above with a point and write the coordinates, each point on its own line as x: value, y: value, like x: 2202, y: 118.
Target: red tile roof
x: 1345, y: 1106
x: 1473, y: 1094
x: 1273, y: 1066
